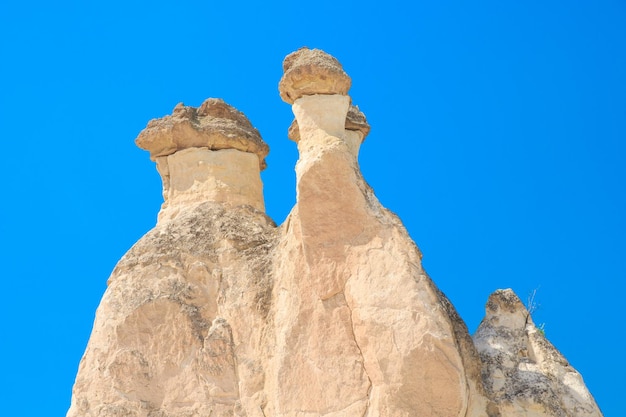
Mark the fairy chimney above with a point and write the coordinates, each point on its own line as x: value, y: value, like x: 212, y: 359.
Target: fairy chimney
x: 354, y: 280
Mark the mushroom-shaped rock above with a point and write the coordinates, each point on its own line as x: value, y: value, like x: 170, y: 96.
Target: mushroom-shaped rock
x: 214, y: 125
x: 309, y: 72
x: 207, y: 154
x: 355, y: 121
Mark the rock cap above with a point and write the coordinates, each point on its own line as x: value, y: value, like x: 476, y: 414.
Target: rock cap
x: 312, y: 71
x: 215, y: 125
x: 355, y: 120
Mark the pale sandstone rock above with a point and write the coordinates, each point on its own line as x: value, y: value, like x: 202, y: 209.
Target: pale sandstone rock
x: 355, y: 121
x: 523, y: 373
x: 211, y: 153
x: 197, y: 175
x: 352, y: 279
x: 216, y: 312
x: 181, y: 329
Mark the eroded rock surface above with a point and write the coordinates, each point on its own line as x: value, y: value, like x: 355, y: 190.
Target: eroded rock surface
x: 214, y: 125
x: 355, y: 121
x: 181, y: 328
x: 312, y: 71
x: 217, y: 312
x: 361, y: 328
x: 209, y: 153
x: 523, y: 373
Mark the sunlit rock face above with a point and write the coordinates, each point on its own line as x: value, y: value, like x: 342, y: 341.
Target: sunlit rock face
x: 361, y: 328
x: 523, y: 373
x: 182, y: 327
x: 218, y: 312
x: 196, y: 175
x: 209, y: 153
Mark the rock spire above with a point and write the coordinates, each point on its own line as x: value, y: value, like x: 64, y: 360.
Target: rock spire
x: 355, y: 280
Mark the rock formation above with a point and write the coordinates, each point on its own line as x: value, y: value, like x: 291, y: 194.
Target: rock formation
x: 523, y: 373
x: 356, y: 316
x: 181, y: 328
x: 218, y: 312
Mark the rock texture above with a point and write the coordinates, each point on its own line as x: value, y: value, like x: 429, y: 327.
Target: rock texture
x: 218, y: 312
x: 355, y: 120
x: 311, y: 71
x: 180, y: 330
x: 214, y: 125
x: 361, y: 329
x: 212, y: 153
x: 182, y: 327
x: 523, y: 373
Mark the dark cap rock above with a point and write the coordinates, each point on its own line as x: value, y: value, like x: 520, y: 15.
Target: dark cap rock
x: 310, y: 72
x: 214, y: 125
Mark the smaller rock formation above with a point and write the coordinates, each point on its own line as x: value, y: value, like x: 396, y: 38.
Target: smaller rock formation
x: 523, y: 373
x: 212, y: 153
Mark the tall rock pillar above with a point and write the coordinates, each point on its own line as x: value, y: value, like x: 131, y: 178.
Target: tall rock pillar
x: 360, y: 328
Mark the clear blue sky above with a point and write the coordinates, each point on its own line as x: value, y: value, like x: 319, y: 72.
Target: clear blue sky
x: 498, y: 136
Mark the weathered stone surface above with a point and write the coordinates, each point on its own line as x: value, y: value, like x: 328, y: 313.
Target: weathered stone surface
x: 309, y: 72
x: 355, y: 121
x: 181, y: 328
x: 197, y: 175
x: 523, y: 373
x: 214, y: 125
x: 217, y: 312
x: 351, y: 278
